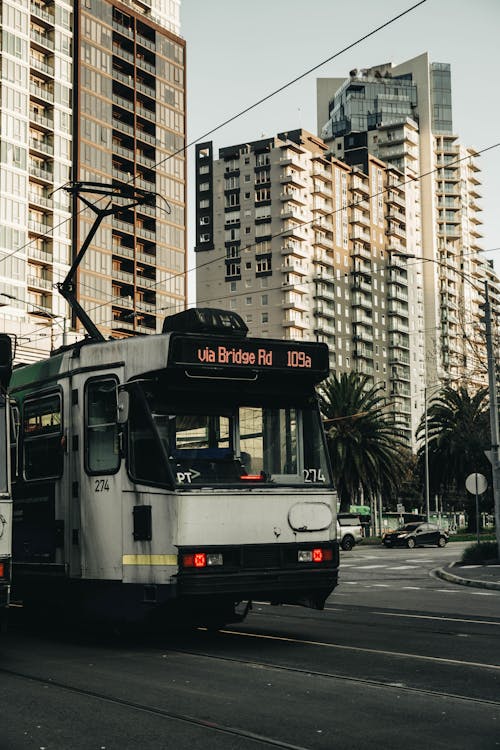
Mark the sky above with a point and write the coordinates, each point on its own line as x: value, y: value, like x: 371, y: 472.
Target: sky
x: 239, y: 51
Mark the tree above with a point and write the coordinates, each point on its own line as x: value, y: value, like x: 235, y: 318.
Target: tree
x: 458, y: 435
x: 365, y: 446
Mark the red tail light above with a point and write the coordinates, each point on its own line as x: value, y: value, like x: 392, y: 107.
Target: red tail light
x: 2, y: 570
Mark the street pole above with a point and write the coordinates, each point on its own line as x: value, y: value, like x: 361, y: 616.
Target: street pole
x: 493, y: 454
x: 426, y: 452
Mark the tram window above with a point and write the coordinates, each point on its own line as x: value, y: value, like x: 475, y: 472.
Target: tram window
x: 269, y: 441
x: 102, y: 448
x: 15, y: 420
x: 146, y: 461
x: 42, y: 437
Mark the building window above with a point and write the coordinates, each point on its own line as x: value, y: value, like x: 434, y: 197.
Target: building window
x: 264, y: 318
x: 233, y: 269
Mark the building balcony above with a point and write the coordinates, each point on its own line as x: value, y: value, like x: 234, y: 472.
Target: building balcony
x: 45, y: 15
x: 296, y: 249
x: 40, y: 146
x: 41, y: 40
x: 39, y: 227
x: 322, y: 328
x: 42, y: 93
x: 362, y: 351
x: 46, y: 69
x: 362, y: 300
x: 362, y: 335
x: 359, y: 251
x: 38, y: 282
x: 293, y: 266
x: 41, y: 255
x: 35, y: 199
x: 292, y: 178
x: 44, y: 121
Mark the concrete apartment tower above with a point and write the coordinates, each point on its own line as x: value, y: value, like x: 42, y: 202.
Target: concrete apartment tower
x: 403, y: 115
x: 94, y: 91
x: 305, y: 246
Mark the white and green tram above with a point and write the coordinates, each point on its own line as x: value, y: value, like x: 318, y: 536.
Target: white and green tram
x: 5, y: 483
x: 179, y: 475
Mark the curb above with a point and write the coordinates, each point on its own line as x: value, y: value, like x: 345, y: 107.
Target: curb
x: 479, y: 584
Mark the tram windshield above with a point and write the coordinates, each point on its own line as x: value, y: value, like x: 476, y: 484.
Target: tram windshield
x: 238, y: 444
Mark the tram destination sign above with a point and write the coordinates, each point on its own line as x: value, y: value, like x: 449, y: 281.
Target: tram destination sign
x: 254, y: 354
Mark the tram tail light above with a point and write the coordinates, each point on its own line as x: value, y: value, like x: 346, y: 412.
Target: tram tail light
x: 317, y: 555
x: 3, y: 570
x: 202, y: 559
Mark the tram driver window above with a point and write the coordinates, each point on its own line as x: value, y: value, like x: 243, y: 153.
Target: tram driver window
x: 102, y: 448
x: 42, y: 437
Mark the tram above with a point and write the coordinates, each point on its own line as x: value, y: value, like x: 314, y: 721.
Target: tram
x: 180, y: 475
x: 5, y: 484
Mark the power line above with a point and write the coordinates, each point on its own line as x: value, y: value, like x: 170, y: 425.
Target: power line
x: 242, y: 112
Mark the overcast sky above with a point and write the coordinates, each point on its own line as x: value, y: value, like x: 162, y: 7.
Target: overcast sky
x: 238, y: 51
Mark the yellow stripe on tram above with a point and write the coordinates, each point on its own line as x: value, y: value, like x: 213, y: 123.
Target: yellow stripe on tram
x: 149, y: 560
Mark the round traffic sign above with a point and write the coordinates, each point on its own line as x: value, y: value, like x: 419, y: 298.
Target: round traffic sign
x: 476, y: 483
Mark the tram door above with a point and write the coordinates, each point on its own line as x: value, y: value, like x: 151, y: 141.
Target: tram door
x: 39, y: 524
x: 99, y: 479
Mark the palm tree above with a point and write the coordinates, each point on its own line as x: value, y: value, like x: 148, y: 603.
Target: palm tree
x: 365, y: 446
x: 458, y: 435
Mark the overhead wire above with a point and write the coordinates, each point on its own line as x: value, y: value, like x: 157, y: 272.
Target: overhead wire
x: 242, y: 112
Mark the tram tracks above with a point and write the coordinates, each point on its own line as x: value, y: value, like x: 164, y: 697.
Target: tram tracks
x: 211, y: 726
x: 220, y: 727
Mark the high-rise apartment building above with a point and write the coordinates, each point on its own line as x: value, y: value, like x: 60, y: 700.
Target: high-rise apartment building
x: 90, y: 91
x: 403, y: 115
x: 305, y: 246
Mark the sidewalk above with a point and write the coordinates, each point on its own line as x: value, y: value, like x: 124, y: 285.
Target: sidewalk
x: 479, y: 576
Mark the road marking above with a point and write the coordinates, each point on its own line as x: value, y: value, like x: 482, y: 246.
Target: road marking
x: 360, y: 649
x: 447, y: 591
x: 436, y: 617
x: 380, y: 585
x: 402, y: 567
x: 412, y: 588
x: 370, y: 567
x: 467, y: 567
x: 483, y: 593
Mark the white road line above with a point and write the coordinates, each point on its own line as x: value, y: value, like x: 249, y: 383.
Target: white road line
x: 447, y: 591
x: 403, y: 567
x: 483, y: 593
x: 413, y: 588
x: 359, y: 649
x: 370, y: 567
x: 380, y: 585
x: 437, y: 617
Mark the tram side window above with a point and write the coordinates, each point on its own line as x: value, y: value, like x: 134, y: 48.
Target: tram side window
x: 146, y: 460
x: 15, y: 420
x: 42, y: 437
x: 102, y: 442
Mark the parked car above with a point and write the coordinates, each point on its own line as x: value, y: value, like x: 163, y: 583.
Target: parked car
x: 416, y: 535
x: 349, y: 530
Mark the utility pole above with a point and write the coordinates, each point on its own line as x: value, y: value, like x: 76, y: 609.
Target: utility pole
x: 494, y: 453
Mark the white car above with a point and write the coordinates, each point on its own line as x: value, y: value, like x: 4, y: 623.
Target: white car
x: 349, y: 530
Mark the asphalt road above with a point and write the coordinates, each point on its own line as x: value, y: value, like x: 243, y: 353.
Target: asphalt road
x: 397, y: 659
